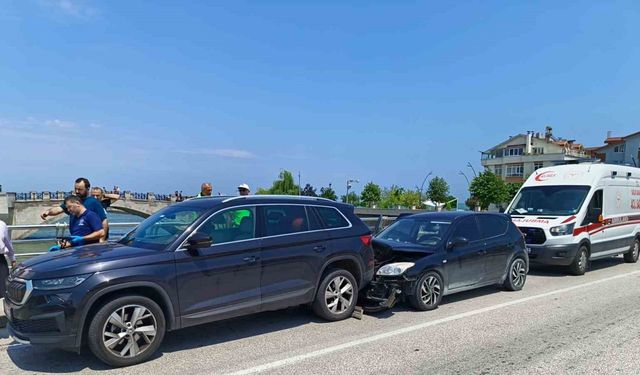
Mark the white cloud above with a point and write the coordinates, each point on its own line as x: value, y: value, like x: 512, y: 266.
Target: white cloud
x: 226, y: 153
x: 73, y: 8
x: 61, y: 124
x: 95, y: 126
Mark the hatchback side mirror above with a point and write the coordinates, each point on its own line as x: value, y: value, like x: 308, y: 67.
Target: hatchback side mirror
x: 457, y: 242
x: 198, y: 241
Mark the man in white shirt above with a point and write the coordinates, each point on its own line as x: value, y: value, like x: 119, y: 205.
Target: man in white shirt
x: 5, y: 244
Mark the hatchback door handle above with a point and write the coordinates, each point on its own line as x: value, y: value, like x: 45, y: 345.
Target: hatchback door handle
x: 250, y: 259
x: 319, y: 248
x: 482, y: 252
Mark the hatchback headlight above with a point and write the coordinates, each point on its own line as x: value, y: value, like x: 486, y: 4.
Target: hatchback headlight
x: 60, y: 283
x: 394, y: 269
x: 562, y: 230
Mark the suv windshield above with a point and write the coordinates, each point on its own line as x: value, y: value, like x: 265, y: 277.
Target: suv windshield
x: 549, y: 200
x: 163, y: 227
x: 417, y: 231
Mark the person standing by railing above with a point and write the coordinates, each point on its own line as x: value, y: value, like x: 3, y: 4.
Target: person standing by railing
x: 6, y: 248
x: 81, y: 190
x: 85, y: 226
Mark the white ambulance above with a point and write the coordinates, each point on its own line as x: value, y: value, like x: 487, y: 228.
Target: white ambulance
x: 570, y: 214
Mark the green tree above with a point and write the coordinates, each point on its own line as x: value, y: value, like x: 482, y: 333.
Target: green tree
x: 438, y: 190
x: 472, y: 203
x: 391, y: 197
x: 410, y: 198
x: 371, y: 194
x: 354, y: 199
x: 328, y: 192
x: 309, y: 191
x: 512, y: 190
x: 284, y: 185
x: 487, y: 188
x: 451, y: 203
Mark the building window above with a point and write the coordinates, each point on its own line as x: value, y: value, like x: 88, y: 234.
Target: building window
x: 538, y: 150
x: 537, y: 165
x: 514, y: 151
x: 619, y: 148
x: 498, y: 171
x: 515, y: 170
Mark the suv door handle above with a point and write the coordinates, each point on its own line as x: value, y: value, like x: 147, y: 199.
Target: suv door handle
x: 319, y: 248
x: 250, y: 259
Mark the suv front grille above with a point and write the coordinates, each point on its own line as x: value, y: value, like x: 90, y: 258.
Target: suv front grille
x: 16, y: 290
x: 35, y: 326
x: 533, y: 236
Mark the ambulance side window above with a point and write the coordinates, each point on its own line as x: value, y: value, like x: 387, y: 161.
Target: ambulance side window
x: 595, y: 209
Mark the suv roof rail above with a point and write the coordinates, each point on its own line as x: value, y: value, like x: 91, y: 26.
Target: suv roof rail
x: 268, y: 196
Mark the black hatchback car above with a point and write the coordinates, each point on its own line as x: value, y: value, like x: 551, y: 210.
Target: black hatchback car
x: 423, y: 257
x: 195, y: 262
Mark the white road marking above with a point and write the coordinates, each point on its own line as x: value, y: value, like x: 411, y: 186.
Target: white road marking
x: 382, y: 336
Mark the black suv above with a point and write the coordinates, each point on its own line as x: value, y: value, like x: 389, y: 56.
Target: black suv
x: 195, y: 262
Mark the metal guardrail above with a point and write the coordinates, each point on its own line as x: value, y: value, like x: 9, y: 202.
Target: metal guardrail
x: 60, y: 229
x: 374, y: 223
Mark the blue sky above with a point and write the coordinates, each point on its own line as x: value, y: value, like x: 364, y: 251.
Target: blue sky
x: 162, y: 95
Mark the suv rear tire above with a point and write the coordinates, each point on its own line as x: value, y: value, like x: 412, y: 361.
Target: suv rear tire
x: 126, y: 330
x: 632, y: 255
x: 336, y: 296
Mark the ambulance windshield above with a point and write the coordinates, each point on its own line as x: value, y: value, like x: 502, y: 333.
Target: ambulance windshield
x: 561, y: 200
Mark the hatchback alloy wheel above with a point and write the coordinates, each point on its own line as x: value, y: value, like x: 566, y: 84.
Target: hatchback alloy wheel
x: 518, y: 273
x: 430, y: 291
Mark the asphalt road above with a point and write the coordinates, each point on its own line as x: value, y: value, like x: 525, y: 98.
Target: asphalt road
x: 558, y: 324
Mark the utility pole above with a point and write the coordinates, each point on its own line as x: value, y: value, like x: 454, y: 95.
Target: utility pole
x: 299, y: 186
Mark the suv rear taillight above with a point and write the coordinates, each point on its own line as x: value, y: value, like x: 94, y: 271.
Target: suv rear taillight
x: 366, y: 240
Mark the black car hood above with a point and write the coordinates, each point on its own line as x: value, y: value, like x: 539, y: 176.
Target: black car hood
x: 386, y: 250
x: 85, y: 259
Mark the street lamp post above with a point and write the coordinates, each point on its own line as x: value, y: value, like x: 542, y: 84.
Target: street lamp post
x: 465, y: 177
x: 473, y: 169
x: 349, y: 182
x: 422, y: 186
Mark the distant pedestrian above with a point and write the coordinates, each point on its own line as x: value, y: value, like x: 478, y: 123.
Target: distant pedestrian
x: 6, y: 248
x: 81, y: 190
x: 243, y: 189
x: 105, y: 199
x: 205, y: 190
x: 85, y: 226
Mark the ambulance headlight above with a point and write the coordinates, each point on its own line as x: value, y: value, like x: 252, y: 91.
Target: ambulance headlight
x: 562, y: 230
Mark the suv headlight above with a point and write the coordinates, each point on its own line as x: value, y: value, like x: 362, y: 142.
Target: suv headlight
x: 60, y: 283
x: 394, y: 269
x: 562, y: 230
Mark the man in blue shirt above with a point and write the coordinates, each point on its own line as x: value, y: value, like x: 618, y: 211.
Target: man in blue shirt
x: 84, y: 226
x: 81, y: 189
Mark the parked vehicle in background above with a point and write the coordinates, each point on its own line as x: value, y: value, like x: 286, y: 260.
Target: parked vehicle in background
x: 199, y: 261
x: 571, y: 214
x: 424, y: 257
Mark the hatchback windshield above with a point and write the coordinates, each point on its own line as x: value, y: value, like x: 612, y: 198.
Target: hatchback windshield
x: 416, y: 231
x: 549, y: 200
x: 163, y: 227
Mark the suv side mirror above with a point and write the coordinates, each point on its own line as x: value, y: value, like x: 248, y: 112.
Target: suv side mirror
x: 457, y: 242
x: 198, y: 241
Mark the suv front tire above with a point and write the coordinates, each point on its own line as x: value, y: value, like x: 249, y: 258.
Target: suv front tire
x: 126, y: 330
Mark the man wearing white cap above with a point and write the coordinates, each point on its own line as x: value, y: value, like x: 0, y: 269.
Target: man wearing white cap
x: 243, y: 189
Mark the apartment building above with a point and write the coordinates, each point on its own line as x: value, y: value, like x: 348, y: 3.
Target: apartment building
x: 620, y: 150
x: 519, y: 156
